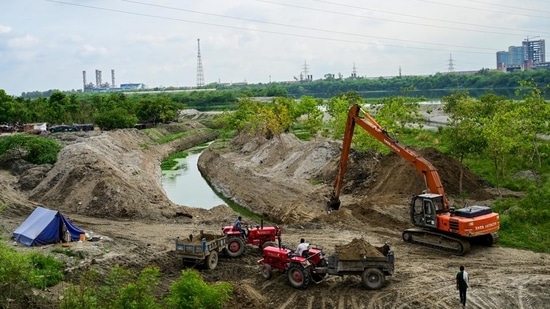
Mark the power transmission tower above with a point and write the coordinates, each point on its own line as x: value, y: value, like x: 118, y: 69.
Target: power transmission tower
x: 200, y: 72
x: 451, y: 64
x: 305, y: 71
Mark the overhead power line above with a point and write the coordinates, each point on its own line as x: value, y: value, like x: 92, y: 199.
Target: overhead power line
x: 416, y: 16
x: 392, y: 20
x: 302, y: 27
x: 284, y: 33
x: 487, y: 10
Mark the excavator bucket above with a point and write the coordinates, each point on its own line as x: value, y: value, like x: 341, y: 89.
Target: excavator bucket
x: 333, y: 204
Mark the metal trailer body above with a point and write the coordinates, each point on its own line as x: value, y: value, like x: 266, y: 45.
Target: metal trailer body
x: 204, y: 251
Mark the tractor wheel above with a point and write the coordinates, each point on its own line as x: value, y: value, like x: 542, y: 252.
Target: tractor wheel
x: 268, y: 244
x: 266, y: 271
x: 212, y: 260
x: 235, y: 247
x: 373, y: 278
x: 298, y: 276
x: 319, y: 277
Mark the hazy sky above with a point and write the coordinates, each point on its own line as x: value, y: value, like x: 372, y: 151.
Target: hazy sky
x: 46, y: 44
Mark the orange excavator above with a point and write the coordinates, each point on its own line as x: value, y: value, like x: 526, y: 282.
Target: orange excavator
x: 437, y: 224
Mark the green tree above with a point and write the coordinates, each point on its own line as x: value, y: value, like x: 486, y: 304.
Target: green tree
x: 7, y: 107
x: 309, y: 107
x: 534, y: 114
x: 463, y: 134
x: 503, y: 134
x: 56, y: 111
x: 117, y: 118
x: 395, y: 115
x: 156, y: 110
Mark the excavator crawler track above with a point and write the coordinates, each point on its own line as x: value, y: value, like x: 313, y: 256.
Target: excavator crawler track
x: 439, y: 241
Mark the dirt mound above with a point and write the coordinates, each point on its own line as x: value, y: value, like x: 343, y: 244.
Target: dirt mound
x: 392, y: 175
x: 356, y: 248
x: 275, y: 178
x: 111, y: 174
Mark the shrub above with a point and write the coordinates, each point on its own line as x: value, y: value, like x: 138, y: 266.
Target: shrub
x: 191, y: 292
x: 37, y: 150
x: 46, y: 270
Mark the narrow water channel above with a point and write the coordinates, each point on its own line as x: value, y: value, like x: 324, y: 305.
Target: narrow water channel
x: 186, y: 186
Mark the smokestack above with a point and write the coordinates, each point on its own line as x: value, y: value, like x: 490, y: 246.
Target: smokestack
x: 84, y: 80
x: 113, y: 78
x: 98, y: 78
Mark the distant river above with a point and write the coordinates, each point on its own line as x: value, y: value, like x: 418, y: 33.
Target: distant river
x: 186, y: 186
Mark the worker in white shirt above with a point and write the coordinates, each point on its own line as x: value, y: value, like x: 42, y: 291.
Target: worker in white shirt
x: 303, y: 246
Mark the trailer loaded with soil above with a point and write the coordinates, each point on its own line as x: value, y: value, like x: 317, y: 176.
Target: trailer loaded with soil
x: 358, y: 258
x: 203, y: 249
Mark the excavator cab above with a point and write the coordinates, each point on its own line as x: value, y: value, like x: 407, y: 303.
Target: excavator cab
x: 425, y: 208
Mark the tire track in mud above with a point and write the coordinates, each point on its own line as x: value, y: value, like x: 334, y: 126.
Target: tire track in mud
x: 288, y: 302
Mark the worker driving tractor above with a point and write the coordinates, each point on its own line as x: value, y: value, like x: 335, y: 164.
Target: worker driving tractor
x: 237, y: 226
x: 302, y: 248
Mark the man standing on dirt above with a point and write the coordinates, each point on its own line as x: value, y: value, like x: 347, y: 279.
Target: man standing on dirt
x: 462, y: 285
x: 238, y: 227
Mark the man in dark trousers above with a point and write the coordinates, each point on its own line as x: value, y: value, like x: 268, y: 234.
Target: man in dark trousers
x: 238, y: 227
x: 462, y: 285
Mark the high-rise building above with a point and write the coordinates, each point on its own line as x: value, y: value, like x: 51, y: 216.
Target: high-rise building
x: 529, y: 54
x: 502, y: 60
x: 533, y: 51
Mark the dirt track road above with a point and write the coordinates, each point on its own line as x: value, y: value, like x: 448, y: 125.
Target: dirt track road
x: 500, y: 277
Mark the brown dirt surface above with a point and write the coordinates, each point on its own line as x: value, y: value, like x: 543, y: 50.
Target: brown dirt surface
x: 108, y: 183
x: 355, y: 249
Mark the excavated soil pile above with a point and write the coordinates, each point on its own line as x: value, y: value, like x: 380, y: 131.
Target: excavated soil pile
x: 197, y: 239
x: 356, y: 248
x: 391, y: 174
x: 375, y: 174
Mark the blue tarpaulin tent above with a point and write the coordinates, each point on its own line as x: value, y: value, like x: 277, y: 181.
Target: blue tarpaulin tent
x: 45, y: 226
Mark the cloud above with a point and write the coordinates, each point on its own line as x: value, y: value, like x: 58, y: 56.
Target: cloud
x: 24, y: 42
x: 88, y: 50
x: 5, y: 29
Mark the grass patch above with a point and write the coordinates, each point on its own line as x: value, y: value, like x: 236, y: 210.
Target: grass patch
x: 171, y: 137
x: 46, y: 270
x: 170, y: 162
x: 315, y: 181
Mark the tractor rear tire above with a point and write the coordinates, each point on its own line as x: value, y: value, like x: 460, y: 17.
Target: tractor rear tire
x: 212, y: 260
x: 235, y: 247
x: 268, y: 244
x: 373, y: 278
x: 298, y: 276
x: 266, y: 271
x: 318, y: 277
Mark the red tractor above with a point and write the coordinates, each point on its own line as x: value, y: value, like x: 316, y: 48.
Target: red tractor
x: 313, y: 265
x: 260, y: 236
x: 300, y: 270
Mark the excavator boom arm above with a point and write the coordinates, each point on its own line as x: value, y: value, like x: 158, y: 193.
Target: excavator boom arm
x: 425, y: 168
